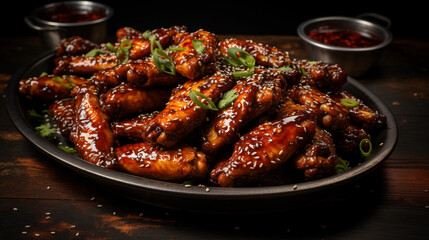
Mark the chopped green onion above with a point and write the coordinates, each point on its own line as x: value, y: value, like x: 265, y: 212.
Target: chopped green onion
x: 110, y: 47
x: 163, y: 62
x: 240, y: 74
x: 177, y: 48
x: 123, y: 53
x: 227, y: 99
x: 362, y: 151
x: 67, y: 149
x: 210, y: 104
x: 43, y: 74
x: 304, y: 73
x: 60, y: 81
x: 245, y: 58
x: 349, y: 102
x: 35, y: 115
x: 284, y: 69
x: 69, y: 81
x: 94, y: 52
x: 342, y: 165
x: 146, y: 34
x: 198, y: 45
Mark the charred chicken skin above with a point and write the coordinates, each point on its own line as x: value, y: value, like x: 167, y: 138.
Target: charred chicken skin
x: 171, y: 164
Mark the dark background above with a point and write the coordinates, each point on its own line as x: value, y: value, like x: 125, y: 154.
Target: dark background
x: 262, y: 17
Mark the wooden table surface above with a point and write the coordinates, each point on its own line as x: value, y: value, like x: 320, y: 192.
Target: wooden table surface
x: 41, y: 199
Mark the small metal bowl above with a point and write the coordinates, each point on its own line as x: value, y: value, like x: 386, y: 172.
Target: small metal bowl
x: 355, y: 61
x: 52, y: 32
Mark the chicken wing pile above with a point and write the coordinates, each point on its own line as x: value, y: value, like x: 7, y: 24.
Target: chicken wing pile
x: 180, y: 106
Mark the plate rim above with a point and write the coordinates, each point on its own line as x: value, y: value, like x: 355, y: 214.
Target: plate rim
x: 216, y: 193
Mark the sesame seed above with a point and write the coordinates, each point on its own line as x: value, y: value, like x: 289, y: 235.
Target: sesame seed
x: 99, y: 205
x: 73, y: 226
x: 77, y: 234
x: 24, y: 232
x: 188, y: 185
x: 207, y: 189
x: 15, y: 209
x: 295, y: 187
x: 27, y: 226
x: 52, y: 233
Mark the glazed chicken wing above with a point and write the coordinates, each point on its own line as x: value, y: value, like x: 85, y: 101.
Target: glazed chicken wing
x: 132, y: 129
x: 264, y: 55
x: 263, y: 149
x: 329, y: 115
x: 173, y: 164
x: 91, y: 133
x: 319, y: 158
x: 74, y: 46
x: 191, y: 63
x: 361, y: 114
x: 348, y: 139
x: 49, y: 88
x: 84, y: 66
x: 181, y: 115
x: 63, y: 112
x: 124, y: 100
x: 144, y: 73
x: 325, y: 76
x: 256, y: 95
x: 141, y: 47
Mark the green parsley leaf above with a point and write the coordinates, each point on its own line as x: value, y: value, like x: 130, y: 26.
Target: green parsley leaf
x: 94, y: 52
x: 46, y: 131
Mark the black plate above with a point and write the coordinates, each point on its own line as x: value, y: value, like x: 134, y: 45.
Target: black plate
x: 197, y: 198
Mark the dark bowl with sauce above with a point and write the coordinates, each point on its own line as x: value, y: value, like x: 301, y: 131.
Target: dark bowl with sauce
x: 59, y: 20
x: 353, y: 43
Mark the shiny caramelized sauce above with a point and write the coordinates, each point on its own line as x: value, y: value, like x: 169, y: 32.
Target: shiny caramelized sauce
x: 68, y: 14
x: 345, y: 38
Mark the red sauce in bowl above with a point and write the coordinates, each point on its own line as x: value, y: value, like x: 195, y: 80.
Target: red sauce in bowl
x: 69, y: 14
x: 345, y: 38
